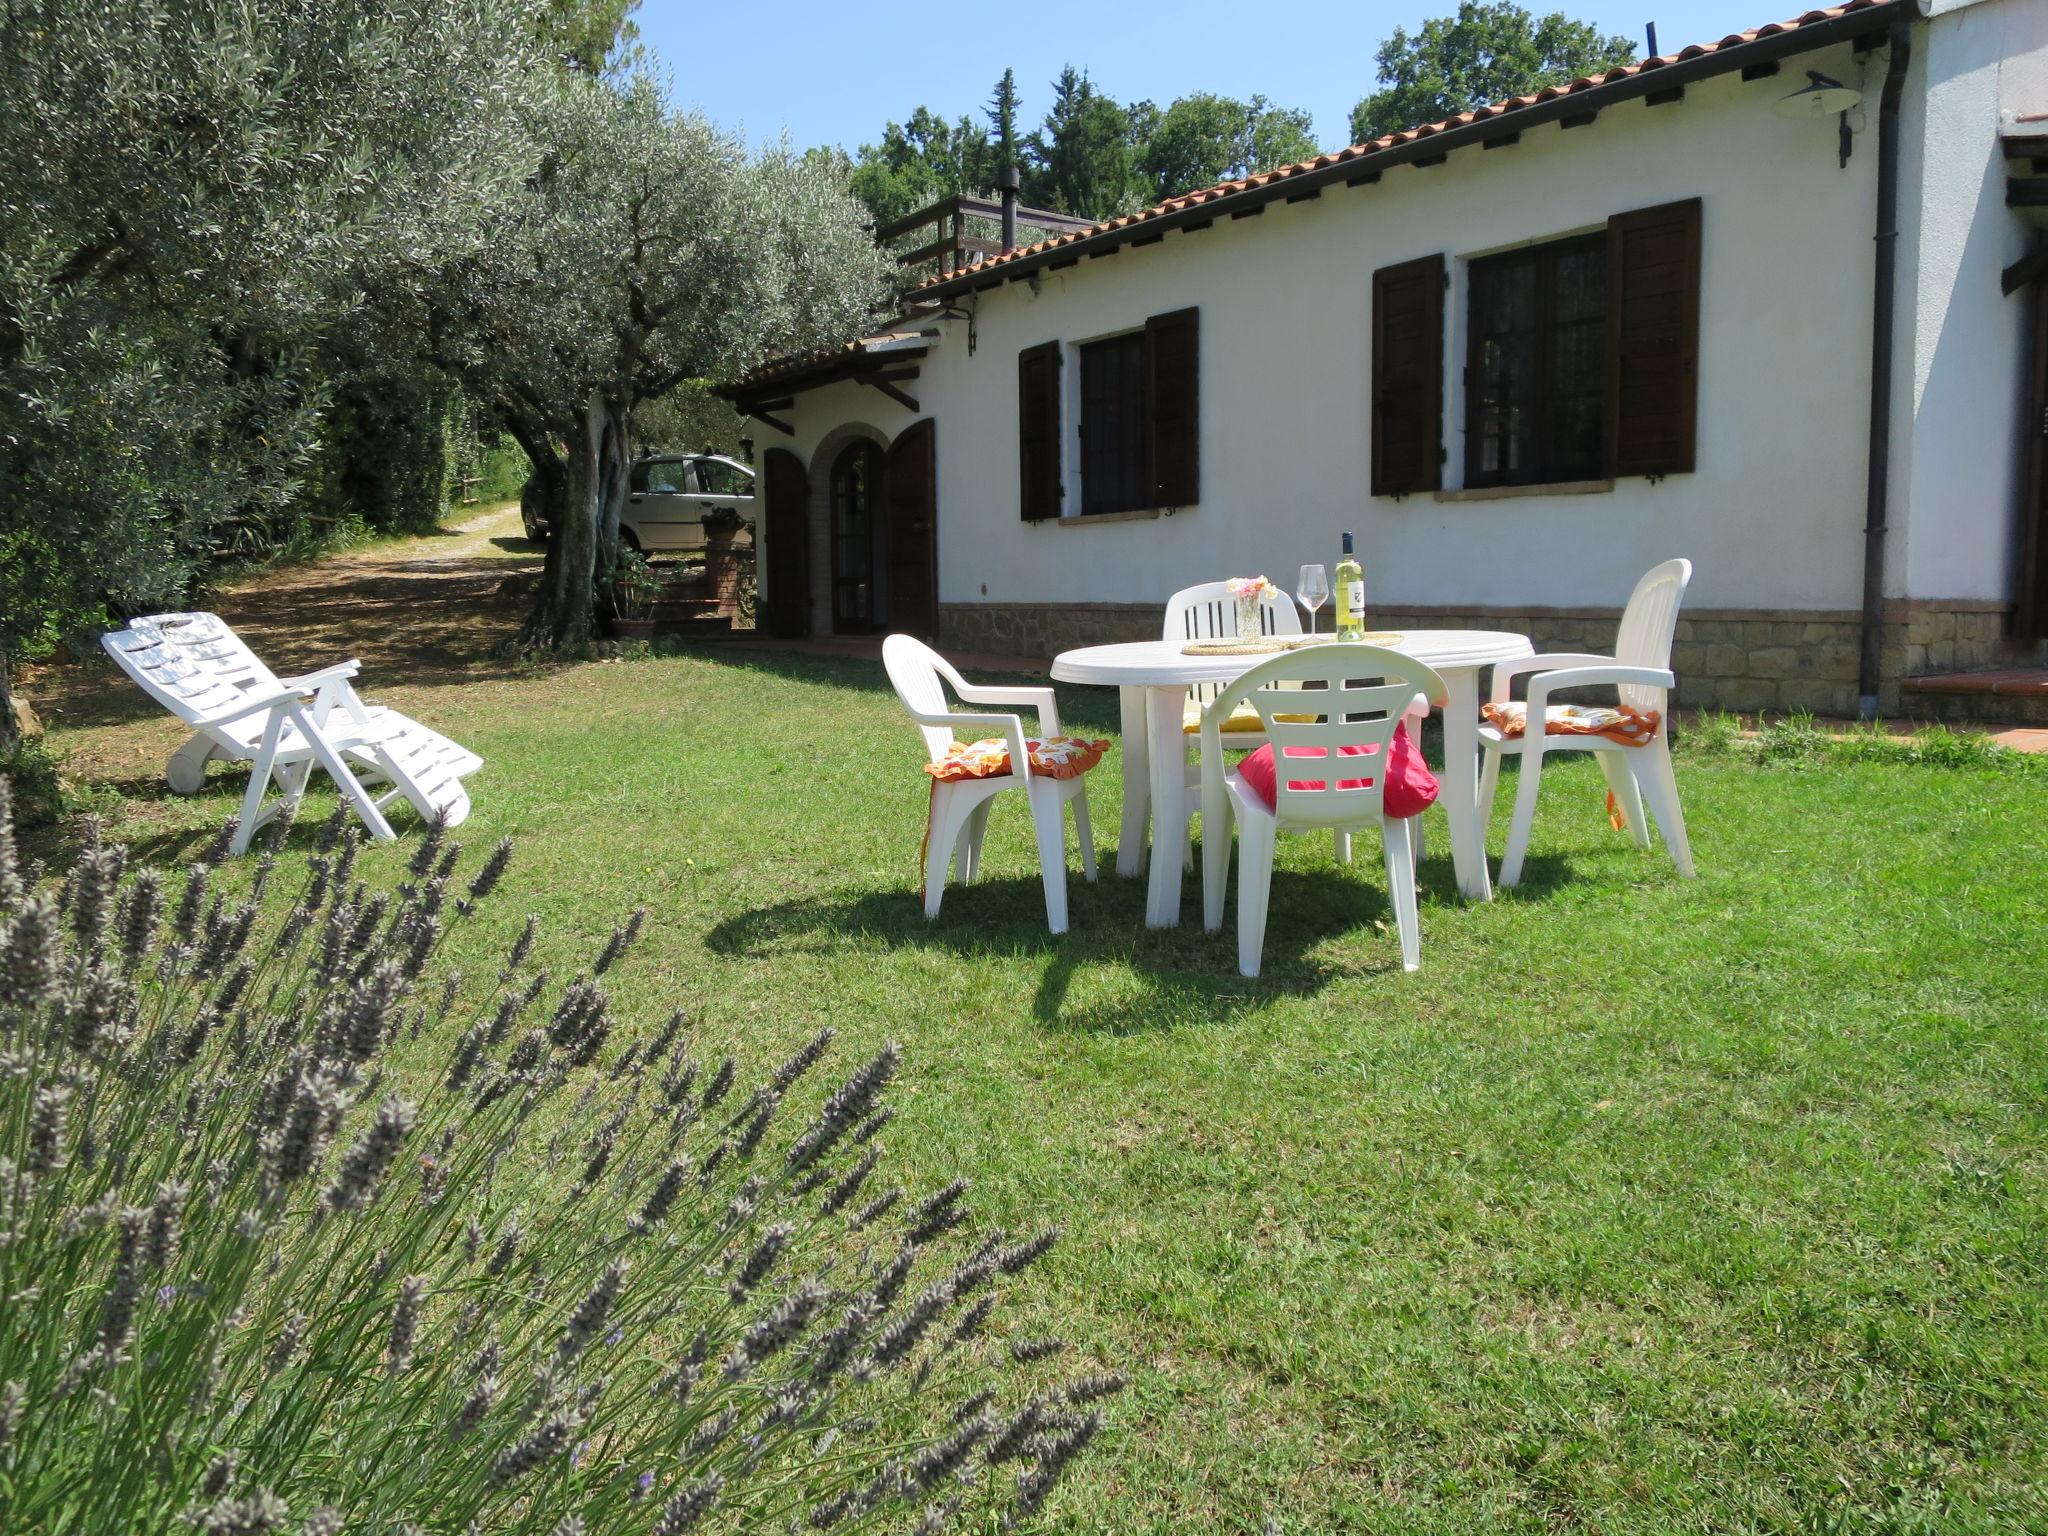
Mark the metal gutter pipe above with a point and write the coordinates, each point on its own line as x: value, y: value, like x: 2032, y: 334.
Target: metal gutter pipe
x: 1877, y: 478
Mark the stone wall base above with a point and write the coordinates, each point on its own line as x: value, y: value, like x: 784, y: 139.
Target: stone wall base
x: 1745, y: 660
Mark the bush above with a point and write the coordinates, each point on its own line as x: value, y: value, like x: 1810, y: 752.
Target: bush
x: 280, y: 1258
x: 381, y: 467
x: 482, y: 463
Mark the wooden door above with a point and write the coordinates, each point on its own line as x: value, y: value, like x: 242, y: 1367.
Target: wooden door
x: 912, y: 538
x: 788, y: 612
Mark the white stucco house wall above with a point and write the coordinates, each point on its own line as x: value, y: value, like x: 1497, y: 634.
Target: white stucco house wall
x: 1766, y: 484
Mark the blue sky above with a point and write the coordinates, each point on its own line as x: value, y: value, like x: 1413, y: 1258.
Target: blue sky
x: 834, y: 73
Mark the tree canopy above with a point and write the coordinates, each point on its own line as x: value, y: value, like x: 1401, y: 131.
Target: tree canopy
x: 185, y: 208
x: 218, y: 218
x: 1090, y: 155
x: 1490, y: 50
x: 588, y: 36
x: 1204, y: 139
x: 646, y: 249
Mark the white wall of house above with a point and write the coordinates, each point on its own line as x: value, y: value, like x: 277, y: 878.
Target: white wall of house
x: 1962, y: 365
x: 1772, y: 516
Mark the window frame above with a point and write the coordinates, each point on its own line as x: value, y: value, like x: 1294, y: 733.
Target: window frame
x: 1544, y: 470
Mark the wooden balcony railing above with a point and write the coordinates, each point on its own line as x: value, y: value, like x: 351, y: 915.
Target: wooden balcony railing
x: 962, y: 229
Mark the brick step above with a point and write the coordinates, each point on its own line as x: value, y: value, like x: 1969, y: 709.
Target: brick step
x: 698, y: 626
x: 2018, y: 695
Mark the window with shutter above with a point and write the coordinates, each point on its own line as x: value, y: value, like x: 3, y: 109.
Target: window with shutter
x: 1408, y: 377
x: 1115, y: 435
x: 1173, y: 406
x: 1038, y: 431
x: 1536, y: 365
x: 1653, y: 325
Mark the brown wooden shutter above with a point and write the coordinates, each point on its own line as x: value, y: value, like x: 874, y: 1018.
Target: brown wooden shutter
x: 1038, y: 431
x: 1173, y: 406
x: 1653, y: 339
x: 1408, y: 377
x: 911, y: 495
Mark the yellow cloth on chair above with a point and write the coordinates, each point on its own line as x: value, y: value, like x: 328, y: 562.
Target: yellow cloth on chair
x: 1242, y: 718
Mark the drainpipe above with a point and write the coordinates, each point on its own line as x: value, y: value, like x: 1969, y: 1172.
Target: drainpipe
x: 1008, y: 181
x: 1877, y: 484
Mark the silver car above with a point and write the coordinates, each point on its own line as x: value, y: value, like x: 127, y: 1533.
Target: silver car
x: 667, y: 497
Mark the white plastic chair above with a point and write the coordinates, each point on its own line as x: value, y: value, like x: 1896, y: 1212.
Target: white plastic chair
x: 196, y: 667
x: 1208, y: 612
x: 1640, y: 669
x: 1365, y: 692
x: 960, y: 807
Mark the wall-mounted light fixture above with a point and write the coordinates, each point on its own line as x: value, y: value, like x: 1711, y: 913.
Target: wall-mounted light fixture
x: 1822, y: 96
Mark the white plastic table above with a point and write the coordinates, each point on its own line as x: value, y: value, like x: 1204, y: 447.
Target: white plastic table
x: 1153, y: 677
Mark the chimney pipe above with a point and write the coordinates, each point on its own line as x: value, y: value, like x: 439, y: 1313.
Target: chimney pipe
x: 1650, y: 29
x: 1008, y: 181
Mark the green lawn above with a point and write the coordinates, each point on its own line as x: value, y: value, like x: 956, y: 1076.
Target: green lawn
x: 1646, y: 1206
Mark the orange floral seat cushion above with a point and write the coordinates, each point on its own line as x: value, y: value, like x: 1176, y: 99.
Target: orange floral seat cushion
x: 1631, y: 727
x: 1056, y: 757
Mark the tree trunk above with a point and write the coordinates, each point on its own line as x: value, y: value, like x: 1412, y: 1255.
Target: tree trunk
x: 542, y: 626
x: 584, y: 529
x: 615, y: 462
x: 10, y: 738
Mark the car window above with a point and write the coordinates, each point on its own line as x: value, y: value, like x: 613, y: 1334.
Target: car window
x: 666, y: 477
x: 720, y: 479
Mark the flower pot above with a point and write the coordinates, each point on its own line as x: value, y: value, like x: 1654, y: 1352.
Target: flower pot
x: 633, y: 629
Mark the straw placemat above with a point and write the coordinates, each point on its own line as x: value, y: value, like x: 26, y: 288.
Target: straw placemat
x: 1272, y: 645
x: 1233, y: 648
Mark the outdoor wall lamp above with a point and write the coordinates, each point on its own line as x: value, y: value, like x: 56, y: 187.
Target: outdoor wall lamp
x: 1822, y: 96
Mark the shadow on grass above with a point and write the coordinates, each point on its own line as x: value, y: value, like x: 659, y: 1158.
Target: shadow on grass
x: 1189, y: 974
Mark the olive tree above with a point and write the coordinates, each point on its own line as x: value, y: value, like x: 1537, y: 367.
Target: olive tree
x: 646, y: 248
x: 191, y: 191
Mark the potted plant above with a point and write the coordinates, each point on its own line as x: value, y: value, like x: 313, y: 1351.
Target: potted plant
x: 635, y: 591
x: 720, y: 524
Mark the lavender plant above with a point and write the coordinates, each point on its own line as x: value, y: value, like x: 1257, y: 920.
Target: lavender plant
x: 264, y: 1274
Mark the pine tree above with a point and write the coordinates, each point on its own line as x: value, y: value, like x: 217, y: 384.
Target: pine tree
x: 1002, y: 120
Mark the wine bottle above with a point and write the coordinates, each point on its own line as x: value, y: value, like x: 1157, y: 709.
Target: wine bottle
x: 1350, y: 584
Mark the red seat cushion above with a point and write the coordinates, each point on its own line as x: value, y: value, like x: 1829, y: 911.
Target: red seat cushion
x: 1411, y: 787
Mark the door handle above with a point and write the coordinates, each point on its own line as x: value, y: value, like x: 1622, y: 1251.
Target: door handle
x: 636, y: 500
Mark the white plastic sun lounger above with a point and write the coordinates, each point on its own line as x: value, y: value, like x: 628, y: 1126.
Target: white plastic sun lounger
x: 240, y: 711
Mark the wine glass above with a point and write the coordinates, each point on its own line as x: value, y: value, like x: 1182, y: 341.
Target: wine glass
x: 1312, y: 590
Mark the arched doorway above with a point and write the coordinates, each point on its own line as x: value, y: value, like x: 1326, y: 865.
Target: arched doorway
x: 858, y: 604
x: 874, y: 510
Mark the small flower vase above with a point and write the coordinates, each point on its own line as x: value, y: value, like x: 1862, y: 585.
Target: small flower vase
x: 1248, y: 616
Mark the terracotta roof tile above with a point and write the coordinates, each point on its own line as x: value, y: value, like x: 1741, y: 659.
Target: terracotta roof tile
x: 791, y: 364
x: 1409, y: 136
